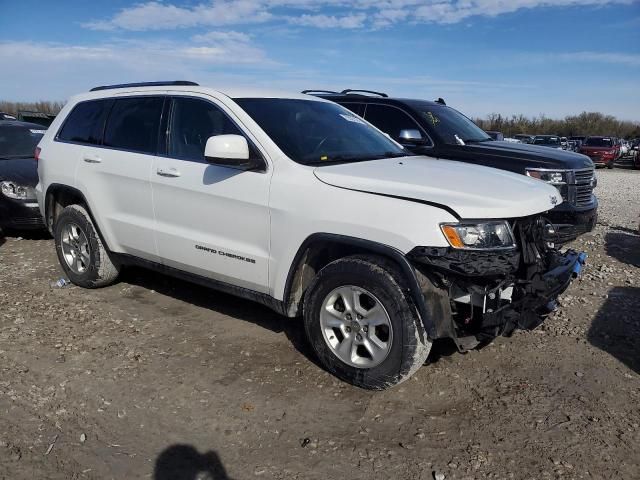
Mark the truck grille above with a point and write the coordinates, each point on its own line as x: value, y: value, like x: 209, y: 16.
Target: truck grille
x: 584, y: 186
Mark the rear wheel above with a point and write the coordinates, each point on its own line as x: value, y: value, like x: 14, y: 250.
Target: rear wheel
x: 362, y: 325
x: 80, y: 251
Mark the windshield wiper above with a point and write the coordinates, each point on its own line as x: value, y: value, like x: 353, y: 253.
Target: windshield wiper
x: 357, y: 158
x: 475, y: 140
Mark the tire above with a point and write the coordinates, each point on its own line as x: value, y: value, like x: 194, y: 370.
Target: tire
x: 610, y: 165
x: 81, y: 253
x: 377, y: 283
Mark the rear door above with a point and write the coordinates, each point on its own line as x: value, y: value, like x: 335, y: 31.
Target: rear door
x: 115, y: 175
x: 211, y: 220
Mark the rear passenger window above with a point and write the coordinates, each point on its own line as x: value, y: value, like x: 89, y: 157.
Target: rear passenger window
x: 133, y: 124
x: 193, y: 121
x: 85, y: 123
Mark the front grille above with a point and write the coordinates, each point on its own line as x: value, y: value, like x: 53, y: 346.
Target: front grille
x: 584, y: 180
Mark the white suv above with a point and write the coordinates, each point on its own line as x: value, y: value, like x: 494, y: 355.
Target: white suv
x: 297, y: 203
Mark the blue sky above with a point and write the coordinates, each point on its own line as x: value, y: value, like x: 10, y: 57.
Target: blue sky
x: 552, y: 57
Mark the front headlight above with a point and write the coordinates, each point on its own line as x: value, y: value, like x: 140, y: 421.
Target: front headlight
x: 17, y: 192
x: 555, y: 177
x: 479, y: 236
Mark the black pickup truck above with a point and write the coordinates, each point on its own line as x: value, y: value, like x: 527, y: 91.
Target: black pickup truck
x: 436, y: 130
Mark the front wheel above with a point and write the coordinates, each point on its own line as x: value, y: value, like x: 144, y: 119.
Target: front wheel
x: 610, y: 165
x: 362, y: 325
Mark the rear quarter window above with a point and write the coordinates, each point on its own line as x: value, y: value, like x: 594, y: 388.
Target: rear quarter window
x: 85, y: 123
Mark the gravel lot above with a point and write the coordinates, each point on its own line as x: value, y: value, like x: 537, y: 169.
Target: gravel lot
x: 157, y: 378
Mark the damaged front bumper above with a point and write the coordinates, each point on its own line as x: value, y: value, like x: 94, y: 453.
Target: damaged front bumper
x: 535, y: 298
x: 481, y: 295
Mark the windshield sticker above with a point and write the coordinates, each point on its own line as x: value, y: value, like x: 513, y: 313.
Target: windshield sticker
x: 433, y: 119
x: 36, y: 132
x: 352, y: 118
x: 324, y: 157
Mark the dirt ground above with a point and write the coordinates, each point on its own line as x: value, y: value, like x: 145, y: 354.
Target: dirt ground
x: 157, y: 378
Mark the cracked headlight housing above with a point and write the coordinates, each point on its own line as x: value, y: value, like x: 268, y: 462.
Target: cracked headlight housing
x: 17, y: 192
x: 479, y: 236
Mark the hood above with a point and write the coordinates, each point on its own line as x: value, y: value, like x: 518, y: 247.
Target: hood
x: 21, y: 170
x: 471, y: 191
x: 536, y: 156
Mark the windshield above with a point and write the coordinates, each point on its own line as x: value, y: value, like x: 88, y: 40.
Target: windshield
x: 316, y: 133
x: 546, y: 141
x: 18, y: 141
x: 450, y: 125
x: 598, y: 142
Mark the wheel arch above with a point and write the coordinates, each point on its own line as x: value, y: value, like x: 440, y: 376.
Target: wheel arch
x: 320, y: 249
x: 58, y: 197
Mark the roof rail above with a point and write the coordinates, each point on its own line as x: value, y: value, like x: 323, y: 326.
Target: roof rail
x: 356, y: 90
x: 145, y: 84
x: 313, y: 90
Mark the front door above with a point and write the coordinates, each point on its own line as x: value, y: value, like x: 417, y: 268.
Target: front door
x: 211, y: 220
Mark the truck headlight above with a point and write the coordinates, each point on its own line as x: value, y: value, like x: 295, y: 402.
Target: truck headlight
x: 554, y: 177
x: 557, y: 178
x: 17, y: 192
x: 479, y: 236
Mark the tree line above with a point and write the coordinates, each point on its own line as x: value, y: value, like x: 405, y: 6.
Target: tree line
x: 586, y: 123
x: 42, y: 106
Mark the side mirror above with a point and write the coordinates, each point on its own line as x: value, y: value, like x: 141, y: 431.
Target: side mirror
x: 229, y: 151
x: 410, y: 136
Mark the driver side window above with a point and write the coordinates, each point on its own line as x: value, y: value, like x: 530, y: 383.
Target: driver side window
x: 192, y: 122
x: 391, y: 120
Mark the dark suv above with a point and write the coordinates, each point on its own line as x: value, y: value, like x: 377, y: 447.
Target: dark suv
x: 436, y: 130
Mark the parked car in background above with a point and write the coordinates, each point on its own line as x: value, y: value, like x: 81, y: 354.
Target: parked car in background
x: 577, y: 139
x: 40, y: 118
x: 511, y: 140
x: 19, y: 175
x: 601, y: 150
x: 437, y: 130
x: 7, y: 116
x: 551, y: 141
x: 563, y: 143
x: 496, y: 135
x: 624, y: 148
x: 630, y: 158
x: 524, y: 137
x: 245, y: 191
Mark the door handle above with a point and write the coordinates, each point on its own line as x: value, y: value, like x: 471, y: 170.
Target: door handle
x: 92, y: 159
x: 168, y: 172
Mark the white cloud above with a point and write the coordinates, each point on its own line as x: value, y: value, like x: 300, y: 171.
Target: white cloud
x: 163, y: 16
x: 329, y: 21
x: 217, y: 36
x: 134, y: 57
x: 628, y: 59
x: 156, y: 15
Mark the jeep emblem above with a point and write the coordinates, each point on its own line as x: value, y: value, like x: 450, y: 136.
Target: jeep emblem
x: 554, y: 199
